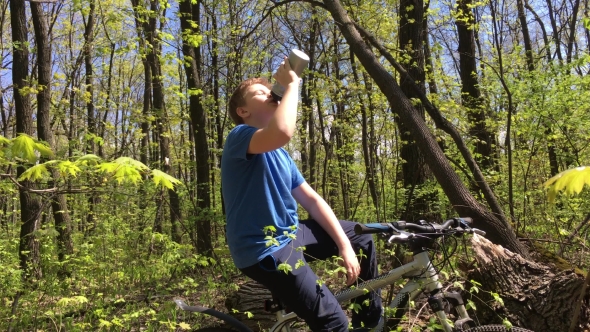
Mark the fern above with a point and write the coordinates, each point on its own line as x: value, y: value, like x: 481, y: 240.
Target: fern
x: 572, y: 180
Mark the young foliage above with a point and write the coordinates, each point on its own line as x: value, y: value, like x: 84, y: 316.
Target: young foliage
x: 572, y: 181
x: 163, y: 179
x: 24, y: 147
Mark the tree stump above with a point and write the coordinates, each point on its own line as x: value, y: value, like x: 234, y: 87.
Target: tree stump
x: 250, y: 298
x: 535, y: 295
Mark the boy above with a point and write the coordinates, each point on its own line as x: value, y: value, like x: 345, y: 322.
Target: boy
x: 261, y: 187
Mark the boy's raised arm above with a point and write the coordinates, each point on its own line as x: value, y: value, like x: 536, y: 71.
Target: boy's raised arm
x: 282, y: 125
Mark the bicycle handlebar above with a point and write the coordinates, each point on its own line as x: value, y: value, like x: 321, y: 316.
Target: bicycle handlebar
x: 427, y: 228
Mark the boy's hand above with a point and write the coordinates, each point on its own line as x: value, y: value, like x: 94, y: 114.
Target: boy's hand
x: 285, y: 75
x: 351, y: 264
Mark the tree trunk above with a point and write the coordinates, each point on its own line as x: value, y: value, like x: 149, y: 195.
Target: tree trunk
x: 307, y: 128
x: 93, y: 200
x: 340, y: 126
x: 535, y: 296
x: 470, y: 93
x: 498, y: 229
x: 573, y: 19
x: 30, y: 206
x: 414, y: 168
x: 61, y: 216
x: 555, y: 30
x: 370, y: 172
x: 189, y: 14
x: 432, y: 88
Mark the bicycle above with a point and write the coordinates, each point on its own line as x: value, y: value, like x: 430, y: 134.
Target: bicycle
x: 423, y: 278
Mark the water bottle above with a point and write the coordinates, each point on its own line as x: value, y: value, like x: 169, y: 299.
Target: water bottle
x: 298, y: 61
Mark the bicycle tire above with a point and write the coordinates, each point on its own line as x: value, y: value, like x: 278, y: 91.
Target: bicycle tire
x: 214, y: 329
x: 496, y: 328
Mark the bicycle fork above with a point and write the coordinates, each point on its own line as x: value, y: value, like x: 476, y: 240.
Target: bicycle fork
x: 427, y: 282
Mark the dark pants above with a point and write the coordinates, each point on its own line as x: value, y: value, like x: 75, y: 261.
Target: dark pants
x: 299, y: 289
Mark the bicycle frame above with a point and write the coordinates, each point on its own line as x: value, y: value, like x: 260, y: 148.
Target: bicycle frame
x: 423, y: 279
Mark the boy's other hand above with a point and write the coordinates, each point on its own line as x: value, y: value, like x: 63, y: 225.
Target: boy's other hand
x: 285, y: 75
x: 351, y: 264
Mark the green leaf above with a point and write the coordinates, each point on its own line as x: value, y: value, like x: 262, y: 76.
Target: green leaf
x: 572, y: 180
x: 35, y: 173
x: 24, y: 147
x: 4, y: 140
x: 285, y: 268
x: 109, y: 167
x: 507, y: 323
x: 43, y: 149
x: 131, y: 162
x: 269, y: 228
x: 88, y: 159
x: 470, y: 305
x: 300, y: 263
x: 67, y: 167
x: 163, y: 179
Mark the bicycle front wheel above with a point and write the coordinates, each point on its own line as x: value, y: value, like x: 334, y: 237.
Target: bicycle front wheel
x: 496, y: 328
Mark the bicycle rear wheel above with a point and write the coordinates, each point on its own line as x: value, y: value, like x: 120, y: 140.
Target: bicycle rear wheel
x: 496, y: 328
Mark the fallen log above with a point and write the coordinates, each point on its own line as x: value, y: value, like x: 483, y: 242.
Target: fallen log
x: 535, y: 295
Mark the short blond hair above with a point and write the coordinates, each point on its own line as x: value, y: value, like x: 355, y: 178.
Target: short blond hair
x: 237, y: 98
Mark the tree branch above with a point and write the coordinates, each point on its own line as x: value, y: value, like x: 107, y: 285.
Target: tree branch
x: 54, y: 190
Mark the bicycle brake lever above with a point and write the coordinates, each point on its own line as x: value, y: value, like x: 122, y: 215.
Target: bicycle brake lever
x: 400, y: 238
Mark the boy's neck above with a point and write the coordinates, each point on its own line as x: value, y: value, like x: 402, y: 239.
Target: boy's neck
x: 254, y: 124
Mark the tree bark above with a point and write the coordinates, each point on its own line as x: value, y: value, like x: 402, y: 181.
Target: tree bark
x: 61, y: 216
x: 470, y: 93
x: 573, y: 19
x: 414, y: 168
x: 370, y: 172
x: 190, y: 12
x: 535, y: 296
x: 250, y: 298
x: 555, y: 31
x: 498, y: 229
x: 93, y: 199
x: 30, y: 206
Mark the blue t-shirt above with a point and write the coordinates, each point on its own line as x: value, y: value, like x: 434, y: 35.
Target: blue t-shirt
x: 257, y: 193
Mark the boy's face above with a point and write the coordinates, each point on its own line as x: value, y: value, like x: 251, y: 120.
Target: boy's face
x: 259, y: 107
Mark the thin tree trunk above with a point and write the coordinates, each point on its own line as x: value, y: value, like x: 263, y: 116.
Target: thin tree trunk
x: 555, y: 31
x: 93, y: 200
x: 572, y: 35
x: 429, y: 70
x: 525, y: 35
x: 190, y: 13
x: 509, y: 115
x: 30, y: 205
x: 370, y: 173
x: 61, y: 215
